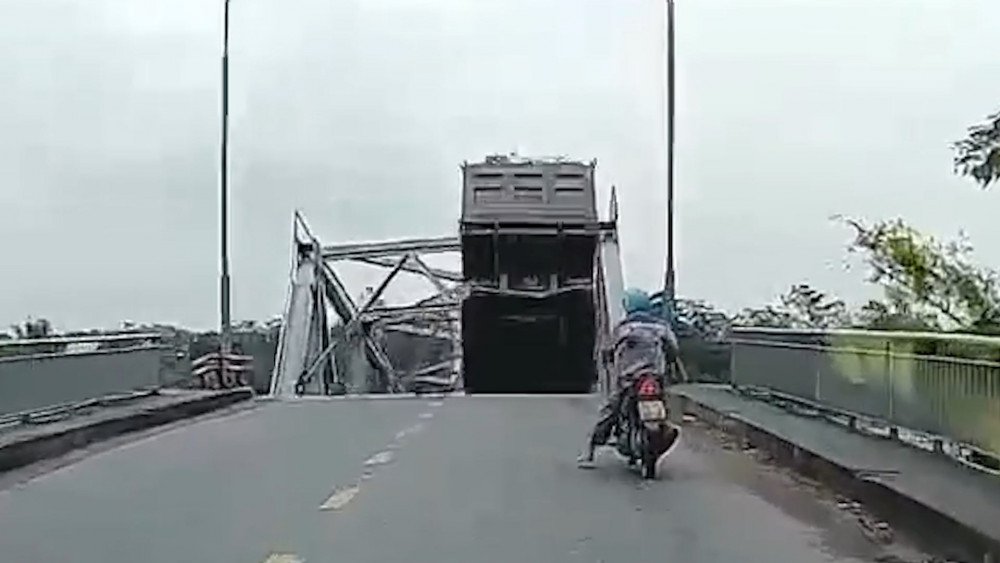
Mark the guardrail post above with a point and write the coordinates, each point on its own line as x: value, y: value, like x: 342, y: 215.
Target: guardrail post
x: 732, y: 363
x: 818, y: 358
x: 816, y: 391
x: 890, y: 373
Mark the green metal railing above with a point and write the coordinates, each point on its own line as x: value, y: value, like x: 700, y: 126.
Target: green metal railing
x: 946, y: 385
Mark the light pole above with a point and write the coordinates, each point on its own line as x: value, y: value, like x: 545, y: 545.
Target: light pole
x: 670, y: 281
x: 224, y: 305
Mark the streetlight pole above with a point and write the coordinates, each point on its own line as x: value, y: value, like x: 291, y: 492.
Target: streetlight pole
x: 225, y: 321
x: 670, y: 281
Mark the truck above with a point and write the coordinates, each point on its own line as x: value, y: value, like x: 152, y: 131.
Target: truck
x: 530, y: 234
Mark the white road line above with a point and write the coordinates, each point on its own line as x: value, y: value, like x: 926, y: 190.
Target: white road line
x: 340, y: 498
x: 380, y: 458
x: 405, y: 396
x: 409, y: 430
x: 435, y: 404
x: 359, y: 397
x: 530, y: 395
x: 283, y: 558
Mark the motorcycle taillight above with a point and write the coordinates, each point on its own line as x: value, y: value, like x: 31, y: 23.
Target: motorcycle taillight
x: 649, y: 387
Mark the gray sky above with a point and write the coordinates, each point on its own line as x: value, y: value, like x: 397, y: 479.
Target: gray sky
x: 359, y: 111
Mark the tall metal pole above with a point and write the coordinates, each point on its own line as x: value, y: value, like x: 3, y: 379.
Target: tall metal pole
x: 670, y: 281
x: 224, y: 297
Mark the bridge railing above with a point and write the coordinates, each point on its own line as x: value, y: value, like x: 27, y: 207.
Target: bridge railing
x: 943, y: 385
x: 39, y: 373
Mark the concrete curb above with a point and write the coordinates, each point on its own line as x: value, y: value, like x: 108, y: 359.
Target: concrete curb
x: 47, y: 446
x: 942, y: 534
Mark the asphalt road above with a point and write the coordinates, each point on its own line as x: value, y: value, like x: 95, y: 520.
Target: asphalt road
x: 466, y: 479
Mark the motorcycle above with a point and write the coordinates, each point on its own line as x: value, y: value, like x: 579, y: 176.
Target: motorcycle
x: 644, y: 435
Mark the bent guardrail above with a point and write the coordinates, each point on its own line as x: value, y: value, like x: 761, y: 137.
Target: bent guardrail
x: 65, y: 370
x: 945, y: 385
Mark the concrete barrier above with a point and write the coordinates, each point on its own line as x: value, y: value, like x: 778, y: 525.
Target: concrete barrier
x: 952, y: 527
x: 47, y: 442
x: 33, y: 380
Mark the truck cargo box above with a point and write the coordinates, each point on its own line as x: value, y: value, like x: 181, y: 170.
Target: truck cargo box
x: 507, y: 189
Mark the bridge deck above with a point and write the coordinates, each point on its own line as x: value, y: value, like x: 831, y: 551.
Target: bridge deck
x: 464, y: 479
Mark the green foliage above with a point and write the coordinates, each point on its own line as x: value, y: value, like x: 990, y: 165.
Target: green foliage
x: 801, y: 307
x: 881, y: 315
x: 810, y: 307
x: 700, y: 319
x: 978, y: 155
x: 927, y: 283
x: 768, y: 316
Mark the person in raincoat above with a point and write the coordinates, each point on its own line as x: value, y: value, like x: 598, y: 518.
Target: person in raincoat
x: 642, y: 340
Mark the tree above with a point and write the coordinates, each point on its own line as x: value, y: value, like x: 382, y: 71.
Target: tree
x: 926, y: 282
x: 810, y: 307
x: 978, y: 155
x: 768, y: 316
x: 701, y: 319
x: 893, y: 315
x: 801, y: 307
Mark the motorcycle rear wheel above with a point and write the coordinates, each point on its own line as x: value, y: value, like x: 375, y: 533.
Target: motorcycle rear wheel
x: 648, y: 466
x: 649, y: 446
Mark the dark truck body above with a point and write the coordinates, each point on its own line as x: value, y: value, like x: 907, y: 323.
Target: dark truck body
x: 530, y: 234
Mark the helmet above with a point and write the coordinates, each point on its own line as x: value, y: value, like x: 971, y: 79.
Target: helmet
x: 636, y: 300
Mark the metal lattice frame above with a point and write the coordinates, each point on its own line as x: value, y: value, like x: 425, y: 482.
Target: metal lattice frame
x: 308, y: 334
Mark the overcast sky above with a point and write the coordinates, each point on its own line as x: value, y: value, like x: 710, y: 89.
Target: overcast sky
x: 358, y: 112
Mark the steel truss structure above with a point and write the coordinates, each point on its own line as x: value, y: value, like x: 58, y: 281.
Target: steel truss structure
x: 319, y: 355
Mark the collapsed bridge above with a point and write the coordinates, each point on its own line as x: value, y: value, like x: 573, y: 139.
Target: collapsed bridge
x: 530, y: 311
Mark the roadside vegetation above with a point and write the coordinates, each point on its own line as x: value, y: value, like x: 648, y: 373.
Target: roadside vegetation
x: 926, y: 284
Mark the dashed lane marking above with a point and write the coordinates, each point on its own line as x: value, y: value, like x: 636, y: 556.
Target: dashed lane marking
x: 409, y: 430
x: 339, y: 499
x: 342, y: 496
x: 283, y: 558
x: 380, y: 458
x: 363, y: 397
x: 546, y: 396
